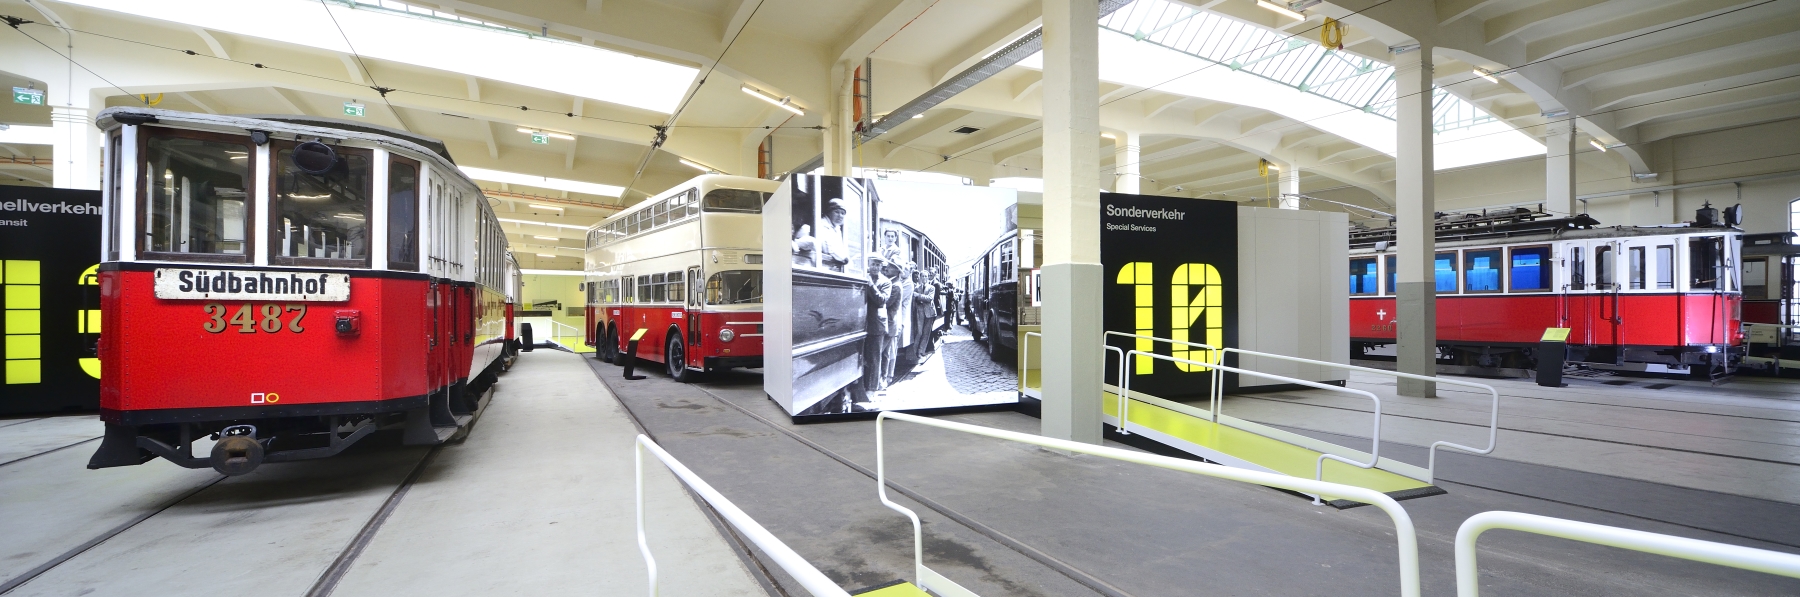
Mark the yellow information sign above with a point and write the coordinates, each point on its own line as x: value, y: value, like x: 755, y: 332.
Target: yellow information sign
x: 1556, y: 335
x: 639, y: 335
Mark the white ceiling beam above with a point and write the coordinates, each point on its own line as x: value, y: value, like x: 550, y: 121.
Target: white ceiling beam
x: 1719, y: 76
x: 493, y: 145
x: 1025, y: 84
x: 351, y: 68
x: 189, y: 97
x: 1755, y: 95
x: 1157, y: 103
x: 1654, y: 16
x: 1724, y: 45
x: 1656, y: 131
x: 881, y: 20
x: 212, y: 43
x: 737, y: 14
x: 569, y: 154
x: 1507, y: 25
x: 1450, y: 10
x: 286, y: 100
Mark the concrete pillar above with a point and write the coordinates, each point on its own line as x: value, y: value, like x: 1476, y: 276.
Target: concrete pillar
x: 1072, y: 273
x: 1559, y: 169
x: 75, y: 148
x: 1290, y: 187
x: 1415, y: 222
x: 840, y: 127
x: 1125, y: 163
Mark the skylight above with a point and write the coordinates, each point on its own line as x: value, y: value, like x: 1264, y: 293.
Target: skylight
x: 542, y: 182
x: 420, y: 37
x: 1150, y: 42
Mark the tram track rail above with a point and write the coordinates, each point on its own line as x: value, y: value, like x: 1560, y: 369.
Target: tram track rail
x: 29, y: 575
x: 49, y: 451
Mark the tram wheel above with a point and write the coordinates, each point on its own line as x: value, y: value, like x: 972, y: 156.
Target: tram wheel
x: 675, y: 359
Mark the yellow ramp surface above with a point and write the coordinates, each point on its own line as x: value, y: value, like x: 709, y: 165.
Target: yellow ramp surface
x: 895, y: 589
x: 576, y: 344
x: 1269, y: 453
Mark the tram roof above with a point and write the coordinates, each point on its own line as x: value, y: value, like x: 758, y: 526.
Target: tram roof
x: 421, y: 143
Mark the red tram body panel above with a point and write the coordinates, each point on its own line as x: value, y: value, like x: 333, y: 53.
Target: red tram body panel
x: 289, y: 286
x: 1656, y: 299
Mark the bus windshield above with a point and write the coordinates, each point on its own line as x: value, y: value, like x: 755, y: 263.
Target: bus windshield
x: 734, y: 201
x: 734, y: 287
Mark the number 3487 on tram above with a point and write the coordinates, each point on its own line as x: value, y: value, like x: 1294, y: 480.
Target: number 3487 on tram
x: 286, y: 286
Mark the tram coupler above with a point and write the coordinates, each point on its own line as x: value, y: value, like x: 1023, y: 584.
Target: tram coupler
x: 237, y: 452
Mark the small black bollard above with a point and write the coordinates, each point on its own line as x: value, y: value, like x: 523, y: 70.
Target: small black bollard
x: 525, y: 337
x: 1552, y: 350
x: 630, y: 356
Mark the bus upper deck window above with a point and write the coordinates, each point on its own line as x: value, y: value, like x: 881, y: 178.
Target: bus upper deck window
x: 734, y: 201
x: 195, y: 187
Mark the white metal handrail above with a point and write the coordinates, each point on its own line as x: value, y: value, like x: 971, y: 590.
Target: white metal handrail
x: 1431, y: 458
x: 1468, y: 581
x: 797, y: 567
x: 1319, y: 472
x: 1404, y: 535
x: 1026, y: 358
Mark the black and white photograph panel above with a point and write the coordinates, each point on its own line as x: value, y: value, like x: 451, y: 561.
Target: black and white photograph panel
x: 886, y: 314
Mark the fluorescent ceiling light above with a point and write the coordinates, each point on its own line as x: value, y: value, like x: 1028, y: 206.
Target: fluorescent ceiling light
x: 786, y: 103
x: 536, y: 223
x: 552, y: 272
x: 919, y: 115
x: 1108, y: 135
x: 515, y: 57
x: 542, y: 182
x: 1597, y: 145
x: 546, y: 255
x: 28, y: 135
x: 541, y: 206
x: 1283, y: 10
x: 698, y: 165
x: 1486, y: 75
x: 551, y: 134
x: 544, y: 237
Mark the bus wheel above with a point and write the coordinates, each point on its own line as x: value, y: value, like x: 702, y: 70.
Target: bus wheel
x: 604, y: 351
x: 675, y: 357
x: 612, y: 348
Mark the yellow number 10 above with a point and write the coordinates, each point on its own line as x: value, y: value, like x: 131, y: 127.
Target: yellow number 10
x: 1196, y: 296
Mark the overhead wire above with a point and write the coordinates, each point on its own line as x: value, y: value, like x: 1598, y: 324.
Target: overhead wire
x: 373, y: 84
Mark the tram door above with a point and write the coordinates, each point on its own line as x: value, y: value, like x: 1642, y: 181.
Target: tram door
x: 1599, y: 292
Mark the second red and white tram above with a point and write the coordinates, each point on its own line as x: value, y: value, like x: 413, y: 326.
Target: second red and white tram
x: 1651, y: 299
x: 287, y: 285
x: 685, y: 267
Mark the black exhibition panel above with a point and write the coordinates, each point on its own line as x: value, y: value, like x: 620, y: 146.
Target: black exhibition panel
x: 49, y: 253
x: 1171, y: 271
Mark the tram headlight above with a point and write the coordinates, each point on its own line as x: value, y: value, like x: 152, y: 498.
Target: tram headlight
x: 726, y: 335
x: 1712, y: 349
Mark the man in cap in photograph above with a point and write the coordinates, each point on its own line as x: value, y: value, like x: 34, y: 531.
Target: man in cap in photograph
x: 833, y: 251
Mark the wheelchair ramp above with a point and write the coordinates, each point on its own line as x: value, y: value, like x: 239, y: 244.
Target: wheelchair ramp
x: 898, y: 588
x: 1244, y: 444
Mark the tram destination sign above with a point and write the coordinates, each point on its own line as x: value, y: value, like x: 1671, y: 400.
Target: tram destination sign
x: 248, y: 285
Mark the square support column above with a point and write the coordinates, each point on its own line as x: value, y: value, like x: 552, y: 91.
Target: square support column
x: 1072, y: 273
x: 1559, y: 169
x: 840, y: 126
x: 1415, y: 223
x: 1126, y: 154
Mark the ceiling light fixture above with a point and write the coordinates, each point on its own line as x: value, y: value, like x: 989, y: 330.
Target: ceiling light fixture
x: 541, y: 206
x: 1483, y: 73
x: 1109, y: 136
x: 1597, y: 145
x: 543, y: 237
x: 546, y: 255
x: 918, y: 116
x: 1279, y: 9
x: 542, y: 182
x: 551, y: 134
x: 786, y: 103
x: 697, y: 165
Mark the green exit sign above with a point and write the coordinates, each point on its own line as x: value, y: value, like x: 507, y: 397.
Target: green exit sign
x: 540, y: 138
x: 23, y: 95
x: 354, y: 109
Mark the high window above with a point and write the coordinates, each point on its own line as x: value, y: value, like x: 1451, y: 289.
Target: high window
x: 197, y: 206
x: 320, y: 202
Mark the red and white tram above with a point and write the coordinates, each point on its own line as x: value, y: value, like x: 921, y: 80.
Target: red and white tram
x: 1651, y: 299
x: 685, y: 266
x: 288, y: 285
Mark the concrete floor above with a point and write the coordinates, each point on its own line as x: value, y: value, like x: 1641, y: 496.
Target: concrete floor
x: 537, y: 500
x: 1142, y: 531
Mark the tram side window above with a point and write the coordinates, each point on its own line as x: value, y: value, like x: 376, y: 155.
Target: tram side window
x: 1393, y: 273
x: 114, y: 146
x: 1665, y: 267
x: 1603, y: 268
x: 673, y: 287
x: 734, y: 201
x: 1481, y: 270
x: 1530, y: 269
x: 1577, y: 270
x: 403, y: 214
x: 1363, y: 275
x: 195, y: 187
x: 1756, y: 279
x: 1635, y: 260
x: 1443, y: 272
x: 321, y: 216
x: 1706, y: 258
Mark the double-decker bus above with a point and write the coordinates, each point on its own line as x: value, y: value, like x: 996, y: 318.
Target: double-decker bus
x: 685, y: 266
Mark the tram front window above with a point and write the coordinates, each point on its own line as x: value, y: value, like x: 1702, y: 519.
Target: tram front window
x: 735, y: 287
x: 322, y: 216
x: 196, y: 192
